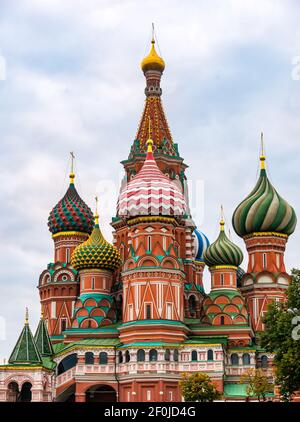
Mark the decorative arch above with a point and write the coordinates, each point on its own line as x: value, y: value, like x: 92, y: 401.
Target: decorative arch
x: 89, y: 323
x: 148, y: 261
x: 217, y: 320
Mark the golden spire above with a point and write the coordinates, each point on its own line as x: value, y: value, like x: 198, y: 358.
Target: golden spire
x: 26, y: 317
x: 72, y: 174
x: 262, y: 152
x: 153, y: 61
x: 149, y: 141
x: 96, y: 212
x: 42, y: 313
x: 222, y: 222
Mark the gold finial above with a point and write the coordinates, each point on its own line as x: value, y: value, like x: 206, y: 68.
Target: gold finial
x: 153, y: 40
x: 262, y: 152
x: 72, y: 174
x: 26, y: 317
x: 96, y: 212
x: 153, y: 61
x: 222, y: 222
x: 149, y: 142
x: 42, y: 313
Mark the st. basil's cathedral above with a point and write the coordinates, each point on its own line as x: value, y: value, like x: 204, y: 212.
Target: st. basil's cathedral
x: 124, y: 321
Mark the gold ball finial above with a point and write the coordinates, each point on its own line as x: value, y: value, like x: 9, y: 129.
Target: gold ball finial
x: 222, y: 221
x: 262, y: 152
x: 96, y: 211
x: 26, y: 316
x: 149, y: 141
x: 72, y: 174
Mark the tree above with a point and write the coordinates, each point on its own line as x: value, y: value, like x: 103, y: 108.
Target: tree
x: 282, y: 337
x: 198, y: 387
x: 257, y: 383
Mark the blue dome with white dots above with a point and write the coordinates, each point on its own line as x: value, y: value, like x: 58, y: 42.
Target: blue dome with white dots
x: 201, y: 243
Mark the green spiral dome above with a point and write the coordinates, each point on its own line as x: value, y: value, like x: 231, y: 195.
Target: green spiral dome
x: 264, y: 211
x: 223, y: 251
x: 96, y: 252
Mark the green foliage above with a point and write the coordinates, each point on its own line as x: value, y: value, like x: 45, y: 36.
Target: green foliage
x: 198, y: 387
x: 257, y: 384
x: 282, y: 337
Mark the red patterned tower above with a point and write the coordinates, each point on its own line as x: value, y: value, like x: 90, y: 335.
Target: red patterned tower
x: 70, y: 222
x: 265, y: 221
x: 151, y: 208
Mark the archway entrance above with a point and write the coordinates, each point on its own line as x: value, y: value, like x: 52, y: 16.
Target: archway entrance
x: 25, y: 394
x: 13, y: 391
x: 101, y: 393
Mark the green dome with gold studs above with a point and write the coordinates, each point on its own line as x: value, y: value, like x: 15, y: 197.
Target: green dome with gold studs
x: 96, y: 252
x: 223, y: 251
x: 264, y: 210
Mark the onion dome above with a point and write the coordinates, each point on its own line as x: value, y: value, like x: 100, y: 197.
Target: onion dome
x: 201, y: 243
x: 152, y: 61
x: 96, y: 252
x: 264, y: 210
x: 150, y: 192
x: 223, y: 251
x: 71, y: 213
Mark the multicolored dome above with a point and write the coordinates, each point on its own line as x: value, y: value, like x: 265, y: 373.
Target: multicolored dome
x: 150, y: 192
x: 223, y: 251
x: 152, y: 61
x: 96, y: 252
x: 71, y: 213
x: 264, y: 210
x: 201, y: 243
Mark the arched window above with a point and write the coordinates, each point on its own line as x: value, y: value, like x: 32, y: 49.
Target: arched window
x: 13, y: 391
x: 167, y: 354
x: 153, y: 355
x: 264, y: 361
x: 234, y: 359
x: 103, y: 358
x: 26, y: 394
x: 141, y: 355
x: 120, y: 357
x: 210, y: 355
x: 194, y: 356
x: 192, y: 305
x: 67, y: 363
x: 89, y: 358
x: 246, y: 359
x: 222, y: 320
x: 175, y: 355
x: 127, y: 356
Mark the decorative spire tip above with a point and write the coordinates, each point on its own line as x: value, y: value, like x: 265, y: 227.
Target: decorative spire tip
x: 262, y: 152
x: 222, y: 222
x: 72, y: 174
x: 96, y: 211
x: 26, y: 317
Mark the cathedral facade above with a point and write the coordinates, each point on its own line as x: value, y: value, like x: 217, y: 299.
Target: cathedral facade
x: 124, y: 321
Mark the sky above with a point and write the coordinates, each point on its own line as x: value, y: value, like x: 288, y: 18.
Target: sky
x: 70, y: 80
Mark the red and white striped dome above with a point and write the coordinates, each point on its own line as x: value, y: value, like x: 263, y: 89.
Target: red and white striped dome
x: 150, y: 192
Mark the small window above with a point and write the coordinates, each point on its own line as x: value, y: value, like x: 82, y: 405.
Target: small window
x: 153, y: 355
x: 149, y: 243
x: 194, y: 356
x: 103, y: 358
x: 264, y: 261
x: 210, y: 355
x: 264, y: 361
x: 63, y: 325
x: 89, y: 358
x: 234, y: 359
x: 175, y: 355
x: 222, y: 320
x: 167, y: 354
x: 141, y: 355
x: 93, y: 283
x: 246, y: 359
x: 68, y: 255
x: 222, y: 279
x: 127, y: 356
x: 148, y: 311
x: 120, y: 357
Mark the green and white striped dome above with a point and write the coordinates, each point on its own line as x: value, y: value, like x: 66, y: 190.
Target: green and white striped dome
x: 264, y: 210
x: 223, y: 251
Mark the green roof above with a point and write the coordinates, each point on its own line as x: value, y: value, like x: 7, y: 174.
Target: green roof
x: 25, y: 350
x: 93, y: 342
x: 42, y: 339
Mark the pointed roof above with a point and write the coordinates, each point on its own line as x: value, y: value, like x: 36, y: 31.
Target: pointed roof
x: 42, y: 339
x: 25, y: 350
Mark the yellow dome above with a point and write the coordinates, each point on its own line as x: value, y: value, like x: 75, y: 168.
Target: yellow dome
x: 153, y: 61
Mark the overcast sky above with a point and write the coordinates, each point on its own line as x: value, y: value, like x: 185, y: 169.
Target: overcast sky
x: 72, y: 82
